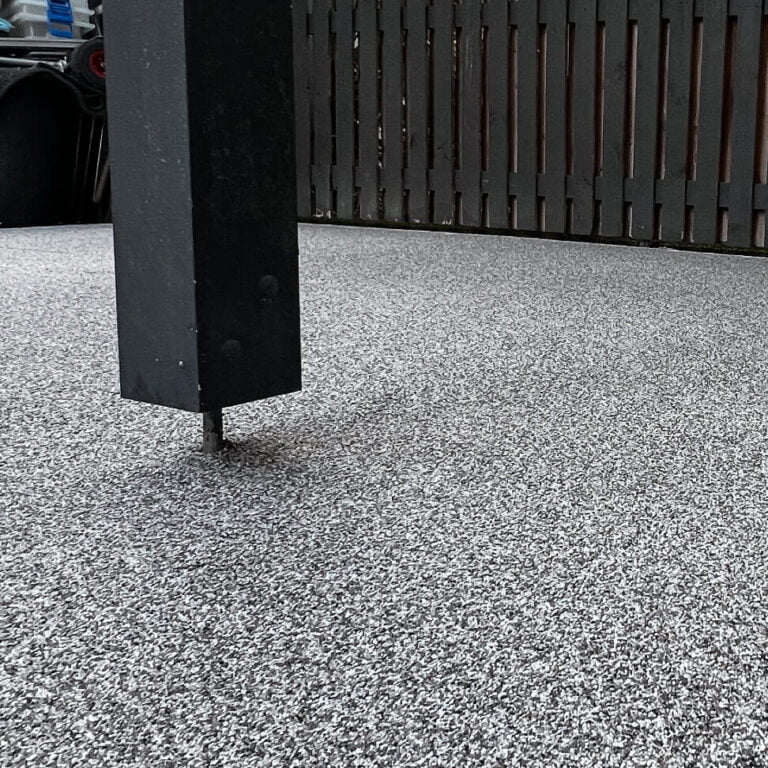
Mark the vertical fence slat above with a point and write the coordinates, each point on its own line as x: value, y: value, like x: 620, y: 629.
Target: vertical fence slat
x: 321, y: 106
x: 710, y: 121
x: 612, y: 197
x: 584, y: 13
x: 646, y: 119
x: 677, y: 121
x: 442, y: 112
x: 498, y: 114
x: 555, y: 137
x: 745, y: 76
x: 345, y: 111
x: 416, y: 105
x: 470, y: 94
x: 368, y: 109
x: 392, y: 109
x: 526, y: 202
x: 303, y: 102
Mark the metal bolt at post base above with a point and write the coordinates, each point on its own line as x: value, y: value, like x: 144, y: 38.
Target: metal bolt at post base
x: 201, y: 128
x: 213, y: 431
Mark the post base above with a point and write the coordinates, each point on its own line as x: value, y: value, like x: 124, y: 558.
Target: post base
x: 213, y: 431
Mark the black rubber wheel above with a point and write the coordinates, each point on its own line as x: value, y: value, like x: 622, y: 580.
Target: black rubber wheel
x: 39, y: 119
x: 87, y: 63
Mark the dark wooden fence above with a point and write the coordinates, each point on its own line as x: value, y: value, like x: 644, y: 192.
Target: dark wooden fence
x: 638, y: 119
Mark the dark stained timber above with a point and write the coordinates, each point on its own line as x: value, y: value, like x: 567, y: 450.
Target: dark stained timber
x: 707, y: 184
x: 392, y: 109
x: 303, y: 92
x: 631, y: 119
x: 470, y: 100
x: 615, y: 79
x: 368, y: 108
x: 526, y: 177
x: 646, y: 119
x: 677, y: 128
x: 584, y: 15
x: 745, y: 72
x: 345, y: 111
x: 204, y: 202
x: 321, y: 106
x: 554, y: 16
x: 442, y: 113
x: 497, y: 79
x: 417, y: 94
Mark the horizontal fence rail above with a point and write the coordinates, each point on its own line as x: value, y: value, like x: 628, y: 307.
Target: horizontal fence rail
x: 629, y: 119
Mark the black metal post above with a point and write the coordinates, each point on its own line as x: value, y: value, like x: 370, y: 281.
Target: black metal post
x: 201, y: 127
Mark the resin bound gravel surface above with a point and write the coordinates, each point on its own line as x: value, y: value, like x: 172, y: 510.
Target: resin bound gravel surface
x: 517, y: 517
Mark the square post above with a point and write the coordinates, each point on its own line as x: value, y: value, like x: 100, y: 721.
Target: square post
x: 201, y: 129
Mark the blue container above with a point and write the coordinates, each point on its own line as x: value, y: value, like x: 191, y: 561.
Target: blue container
x: 60, y: 19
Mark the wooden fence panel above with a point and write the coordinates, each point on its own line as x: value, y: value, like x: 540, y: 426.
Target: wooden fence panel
x: 749, y: 17
x: 303, y: 100
x: 392, y: 109
x: 526, y: 77
x: 553, y: 14
x: 671, y: 189
x: 498, y: 107
x: 368, y: 110
x: 639, y: 119
x: 321, y: 108
x: 646, y: 116
x: 442, y: 113
x: 614, y: 119
x: 344, y: 97
x: 709, y: 121
x: 469, y: 105
x: 582, y: 116
x: 417, y: 95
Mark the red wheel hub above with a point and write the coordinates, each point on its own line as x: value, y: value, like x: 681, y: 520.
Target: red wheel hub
x: 96, y: 63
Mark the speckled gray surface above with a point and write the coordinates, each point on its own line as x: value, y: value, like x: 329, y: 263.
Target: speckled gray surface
x: 517, y: 517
